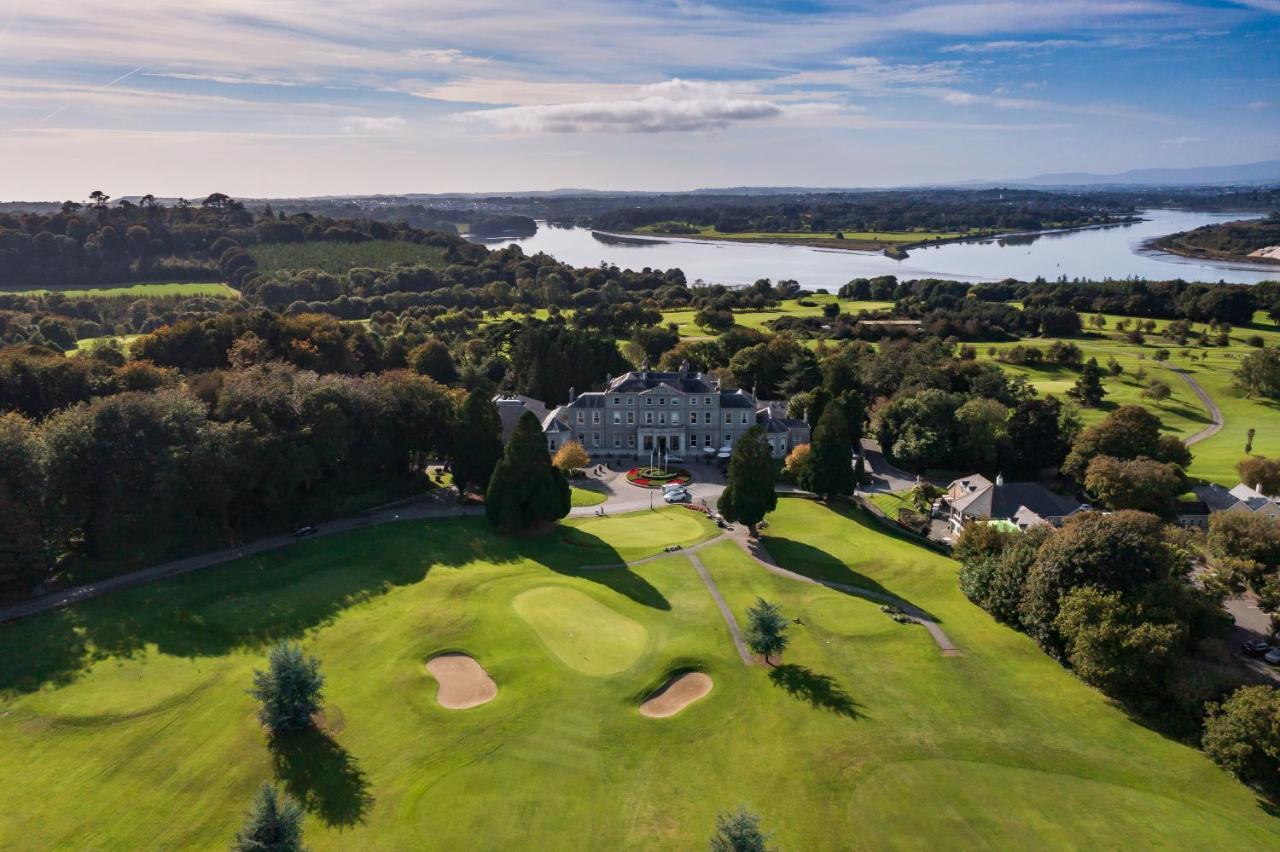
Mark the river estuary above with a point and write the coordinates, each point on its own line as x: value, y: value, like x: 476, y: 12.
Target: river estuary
x: 1112, y: 252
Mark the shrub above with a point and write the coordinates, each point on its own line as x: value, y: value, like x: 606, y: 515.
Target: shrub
x: 1242, y: 735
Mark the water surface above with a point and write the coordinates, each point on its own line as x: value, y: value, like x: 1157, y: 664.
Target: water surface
x: 1112, y: 252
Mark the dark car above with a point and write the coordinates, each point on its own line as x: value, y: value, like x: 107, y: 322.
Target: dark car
x: 303, y: 531
x: 1255, y: 648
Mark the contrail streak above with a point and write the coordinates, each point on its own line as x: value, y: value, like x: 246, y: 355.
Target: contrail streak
x: 60, y: 110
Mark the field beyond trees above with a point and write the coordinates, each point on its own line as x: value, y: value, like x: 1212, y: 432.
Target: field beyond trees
x: 337, y: 257
x: 127, y: 720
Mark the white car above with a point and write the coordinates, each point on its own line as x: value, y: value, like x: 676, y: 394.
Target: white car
x: 677, y: 496
x: 673, y: 486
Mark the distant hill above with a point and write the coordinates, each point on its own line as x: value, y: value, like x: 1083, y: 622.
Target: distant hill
x: 1248, y: 174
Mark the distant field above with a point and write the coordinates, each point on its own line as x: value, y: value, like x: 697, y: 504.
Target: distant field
x: 141, y: 291
x: 757, y: 319
x: 1183, y: 413
x: 813, y: 236
x: 340, y: 257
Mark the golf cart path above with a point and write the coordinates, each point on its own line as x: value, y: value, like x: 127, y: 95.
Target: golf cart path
x: 1215, y: 413
x: 736, y: 634
x: 756, y: 550
x: 422, y: 510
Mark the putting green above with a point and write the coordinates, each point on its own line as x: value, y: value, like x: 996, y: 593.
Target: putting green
x: 657, y: 529
x: 586, y: 635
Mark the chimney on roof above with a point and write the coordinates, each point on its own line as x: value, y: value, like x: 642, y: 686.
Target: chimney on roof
x: 999, y: 479
x: 684, y: 366
x: 573, y: 394
x: 608, y: 379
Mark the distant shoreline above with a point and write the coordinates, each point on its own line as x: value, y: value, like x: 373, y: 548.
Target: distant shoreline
x: 895, y: 250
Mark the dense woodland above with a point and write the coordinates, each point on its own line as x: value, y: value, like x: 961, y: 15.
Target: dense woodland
x: 925, y: 210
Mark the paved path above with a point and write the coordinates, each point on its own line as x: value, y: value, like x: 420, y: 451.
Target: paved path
x: 756, y: 550
x: 734, y: 633
x: 433, y: 508
x: 1215, y: 413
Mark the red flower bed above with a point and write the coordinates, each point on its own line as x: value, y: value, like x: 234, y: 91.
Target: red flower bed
x: 649, y: 477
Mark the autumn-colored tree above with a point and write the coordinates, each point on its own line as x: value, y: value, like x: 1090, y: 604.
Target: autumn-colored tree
x: 571, y: 456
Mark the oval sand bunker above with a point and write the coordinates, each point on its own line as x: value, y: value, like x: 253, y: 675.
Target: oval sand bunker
x: 679, y: 693
x: 463, y: 682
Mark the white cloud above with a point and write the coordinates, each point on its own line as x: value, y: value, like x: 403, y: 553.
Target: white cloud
x: 1258, y: 106
x: 372, y: 123
x: 1182, y: 141
x: 1013, y: 45
x: 645, y: 115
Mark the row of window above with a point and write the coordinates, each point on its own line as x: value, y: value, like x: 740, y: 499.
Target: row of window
x: 672, y: 444
x: 662, y: 418
x: 662, y: 400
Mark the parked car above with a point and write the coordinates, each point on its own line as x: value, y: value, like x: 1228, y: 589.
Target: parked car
x: 677, y: 497
x: 1256, y: 648
x: 301, y: 532
x: 673, y: 486
x: 675, y: 459
x: 1272, y: 657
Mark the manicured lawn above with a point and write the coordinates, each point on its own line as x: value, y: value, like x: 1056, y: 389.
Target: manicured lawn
x: 585, y: 497
x: 126, y: 723
x: 757, y: 319
x: 891, y: 502
x: 142, y: 291
x: 1183, y: 413
x: 340, y: 257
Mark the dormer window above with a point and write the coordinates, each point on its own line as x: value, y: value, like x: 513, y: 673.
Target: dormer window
x: 617, y: 400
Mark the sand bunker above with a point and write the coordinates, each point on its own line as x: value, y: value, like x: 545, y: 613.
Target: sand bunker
x: 463, y: 682
x: 679, y: 693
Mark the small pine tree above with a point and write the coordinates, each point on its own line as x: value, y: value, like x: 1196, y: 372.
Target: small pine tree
x: 274, y: 825
x: 290, y: 689
x: 526, y: 490
x: 750, y: 493
x: 766, y: 629
x: 738, y: 830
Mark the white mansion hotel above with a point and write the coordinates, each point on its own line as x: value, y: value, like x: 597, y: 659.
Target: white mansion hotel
x: 649, y: 410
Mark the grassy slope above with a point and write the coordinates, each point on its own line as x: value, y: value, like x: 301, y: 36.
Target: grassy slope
x: 141, y: 291
x: 120, y: 713
x: 585, y: 497
x: 340, y: 257
x: 1182, y: 413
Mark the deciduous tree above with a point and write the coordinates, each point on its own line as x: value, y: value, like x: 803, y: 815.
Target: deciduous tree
x: 477, y: 441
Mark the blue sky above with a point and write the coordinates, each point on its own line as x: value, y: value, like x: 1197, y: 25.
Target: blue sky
x: 304, y: 98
